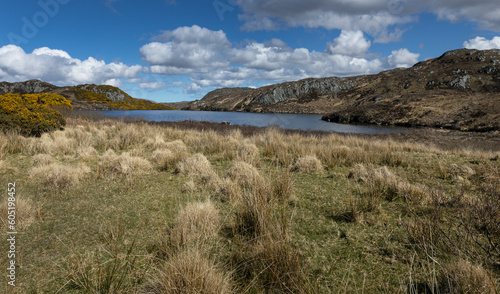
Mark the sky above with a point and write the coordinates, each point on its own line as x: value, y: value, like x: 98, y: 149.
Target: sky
x: 173, y: 50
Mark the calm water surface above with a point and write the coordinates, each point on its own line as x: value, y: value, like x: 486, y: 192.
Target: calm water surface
x: 285, y: 121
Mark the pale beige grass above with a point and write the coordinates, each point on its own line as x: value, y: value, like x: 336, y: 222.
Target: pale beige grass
x: 25, y: 212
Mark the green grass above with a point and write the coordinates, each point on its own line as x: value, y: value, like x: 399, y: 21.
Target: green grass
x: 344, y: 235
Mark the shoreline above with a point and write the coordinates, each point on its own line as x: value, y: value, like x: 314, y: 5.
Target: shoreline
x: 441, y: 138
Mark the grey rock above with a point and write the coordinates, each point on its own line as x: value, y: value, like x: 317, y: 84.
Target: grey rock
x: 283, y: 92
x: 114, y: 94
x: 462, y: 82
x: 28, y: 87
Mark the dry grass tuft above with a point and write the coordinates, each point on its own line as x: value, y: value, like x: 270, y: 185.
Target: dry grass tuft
x: 87, y: 153
x: 196, y: 165
x: 124, y: 164
x: 189, y: 187
x: 195, y: 225
x: 178, y: 147
x: 56, y: 143
x: 191, y: 272
x: 246, y: 175
x: 42, y: 159
x: 164, y: 159
x: 249, y: 153
x: 59, y: 176
x: 464, y: 277
x: 25, y: 212
x: 308, y: 164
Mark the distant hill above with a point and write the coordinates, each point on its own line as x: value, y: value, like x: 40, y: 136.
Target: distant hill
x: 459, y: 90
x: 85, y: 97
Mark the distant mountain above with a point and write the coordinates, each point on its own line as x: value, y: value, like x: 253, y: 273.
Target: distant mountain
x: 86, y: 97
x: 459, y: 90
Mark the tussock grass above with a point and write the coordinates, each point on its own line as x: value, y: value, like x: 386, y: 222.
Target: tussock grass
x: 249, y: 153
x: 191, y: 272
x: 308, y: 164
x: 196, y: 165
x: 123, y: 165
x: 87, y: 153
x: 112, y: 268
x: 463, y: 276
x: 196, y: 224
x: 57, y: 143
x: 164, y: 159
x: 42, y: 159
x: 58, y: 176
x: 25, y: 212
x: 379, y: 210
x: 247, y: 176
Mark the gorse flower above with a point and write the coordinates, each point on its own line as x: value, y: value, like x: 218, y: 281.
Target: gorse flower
x: 32, y: 114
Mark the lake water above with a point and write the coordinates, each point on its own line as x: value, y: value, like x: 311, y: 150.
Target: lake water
x: 285, y: 121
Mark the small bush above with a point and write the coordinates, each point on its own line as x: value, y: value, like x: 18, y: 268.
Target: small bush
x: 308, y: 164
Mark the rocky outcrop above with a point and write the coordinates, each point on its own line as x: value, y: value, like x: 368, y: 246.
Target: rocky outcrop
x: 112, y: 93
x: 85, y: 97
x: 283, y: 92
x: 458, y: 90
x: 28, y: 87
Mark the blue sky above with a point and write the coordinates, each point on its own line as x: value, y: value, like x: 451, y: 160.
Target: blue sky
x: 172, y: 50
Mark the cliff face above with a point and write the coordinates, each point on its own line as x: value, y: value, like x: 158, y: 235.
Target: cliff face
x: 85, y: 97
x: 459, y: 90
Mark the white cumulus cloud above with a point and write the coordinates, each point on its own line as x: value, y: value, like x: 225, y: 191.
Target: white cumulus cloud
x: 211, y: 61
x: 186, y: 49
x: 58, y: 67
x: 351, y: 43
x: 482, y: 43
x: 403, y: 58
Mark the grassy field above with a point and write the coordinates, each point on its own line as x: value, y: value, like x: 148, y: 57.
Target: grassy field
x: 113, y: 207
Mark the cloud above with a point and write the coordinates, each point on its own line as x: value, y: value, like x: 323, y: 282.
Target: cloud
x: 186, y: 49
x: 58, y: 67
x: 152, y: 85
x: 371, y: 17
x: 385, y: 20
x: 351, y: 43
x: 109, y: 4
x: 485, y: 13
x: 211, y: 61
x: 482, y: 43
x: 402, y: 58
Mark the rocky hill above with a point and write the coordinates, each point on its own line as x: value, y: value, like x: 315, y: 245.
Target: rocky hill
x: 459, y: 90
x: 86, y: 97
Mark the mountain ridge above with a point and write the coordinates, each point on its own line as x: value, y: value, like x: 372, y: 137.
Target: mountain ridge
x: 458, y: 90
x: 85, y: 96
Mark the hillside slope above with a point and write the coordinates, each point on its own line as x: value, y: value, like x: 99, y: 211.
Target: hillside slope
x: 459, y: 90
x: 85, y: 97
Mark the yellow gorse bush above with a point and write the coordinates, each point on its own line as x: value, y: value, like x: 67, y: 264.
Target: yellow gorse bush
x: 96, y: 95
x: 32, y: 114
